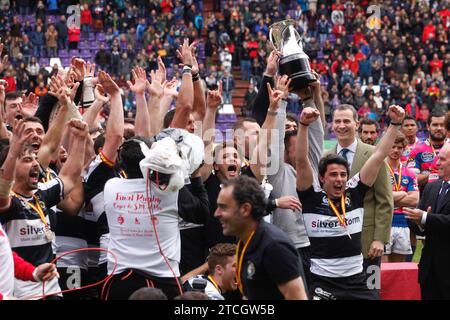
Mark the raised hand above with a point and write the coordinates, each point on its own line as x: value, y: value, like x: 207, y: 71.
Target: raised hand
x: 59, y: 89
x: 184, y: 53
x: 30, y: 103
x: 140, y: 81
x: 282, y: 83
x: 78, y: 68
x: 274, y: 97
x: 89, y: 69
x: 161, y: 72
x: 170, y: 88
x: 19, y: 138
x: 78, y: 128
x: 156, y: 88
x: 214, y: 97
x: 272, y: 63
x: 309, y: 115
x: 396, y: 114
x: 3, y: 86
x: 107, y: 83
x: 195, y: 68
x: 316, y: 84
x: 4, y: 61
x: 100, y: 94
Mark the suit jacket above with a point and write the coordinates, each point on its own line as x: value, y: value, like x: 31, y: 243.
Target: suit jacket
x: 378, y: 202
x: 436, y: 250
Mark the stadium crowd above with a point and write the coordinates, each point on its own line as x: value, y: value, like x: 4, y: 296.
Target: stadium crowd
x: 114, y: 147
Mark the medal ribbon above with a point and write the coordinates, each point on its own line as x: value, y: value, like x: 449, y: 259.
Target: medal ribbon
x: 239, y: 260
x: 341, y: 218
x: 397, y: 184
x: 37, y: 208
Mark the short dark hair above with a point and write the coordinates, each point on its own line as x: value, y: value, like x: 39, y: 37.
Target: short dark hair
x: 401, y: 138
x: 248, y: 190
x: 99, y: 142
x: 129, y: 156
x: 447, y: 121
x: 148, y: 294
x: 12, y: 95
x: 33, y: 119
x: 435, y: 113
x: 368, y: 122
x: 168, y: 118
x: 224, y: 145
x: 344, y: 107
x: 287, y: 138
x: 218, y: 255
x: 332, y: 159
x: 240, y: 122
x: 292, y: 117
x: 408, y: 117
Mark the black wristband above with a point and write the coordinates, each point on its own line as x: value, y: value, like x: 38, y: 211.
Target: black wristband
x: 396, y: 124
x: 304, y: 124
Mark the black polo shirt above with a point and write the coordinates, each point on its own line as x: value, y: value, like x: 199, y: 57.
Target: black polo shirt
x: 270, y: 260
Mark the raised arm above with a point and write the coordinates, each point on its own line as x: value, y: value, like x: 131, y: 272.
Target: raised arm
x: 317, y: 95
x: 91, y: 114
x: 369, y: 171
x: 199, y: 107
x: 170, y: 93
x: 259, y: 158
x: 53, y: 137
x: 142, y: 123
x: 261, y: 103
x: 185, y: 99
x: 8, y: 169
x: 305, y: 173
x: 115, y: 125
x: 213, y: 101
x: 156, y: 90
x: 4, y: 133
x: 71, y: 171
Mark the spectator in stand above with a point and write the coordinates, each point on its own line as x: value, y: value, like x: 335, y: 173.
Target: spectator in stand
x: 227, y: 86
x: 86, y: 19
x: 38, y: 41
x: 74, y: 36
x: 33, y: 69
x: 63, y: 32
x: 424, y: 114
x: 413, y: 109
x: 103, y: 58
x: 51, y: 37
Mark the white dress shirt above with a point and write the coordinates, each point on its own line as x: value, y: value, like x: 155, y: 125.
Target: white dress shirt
x: 351, y: 151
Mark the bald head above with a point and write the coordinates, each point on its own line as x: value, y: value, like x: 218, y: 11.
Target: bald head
x: 443, y: 163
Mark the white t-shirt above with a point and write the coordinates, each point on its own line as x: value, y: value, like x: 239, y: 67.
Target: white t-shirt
x: 132, y: 237
x: 6, y: 265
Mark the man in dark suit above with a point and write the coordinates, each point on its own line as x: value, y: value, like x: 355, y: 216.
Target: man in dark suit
x: 432, y: 219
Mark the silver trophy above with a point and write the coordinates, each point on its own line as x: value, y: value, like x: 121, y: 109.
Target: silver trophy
x: 294, y: 62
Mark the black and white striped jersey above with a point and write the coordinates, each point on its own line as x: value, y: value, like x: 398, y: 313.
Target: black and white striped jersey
x: 333, y: 252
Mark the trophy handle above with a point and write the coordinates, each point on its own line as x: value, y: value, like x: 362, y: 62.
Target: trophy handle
x: 271, y: 38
